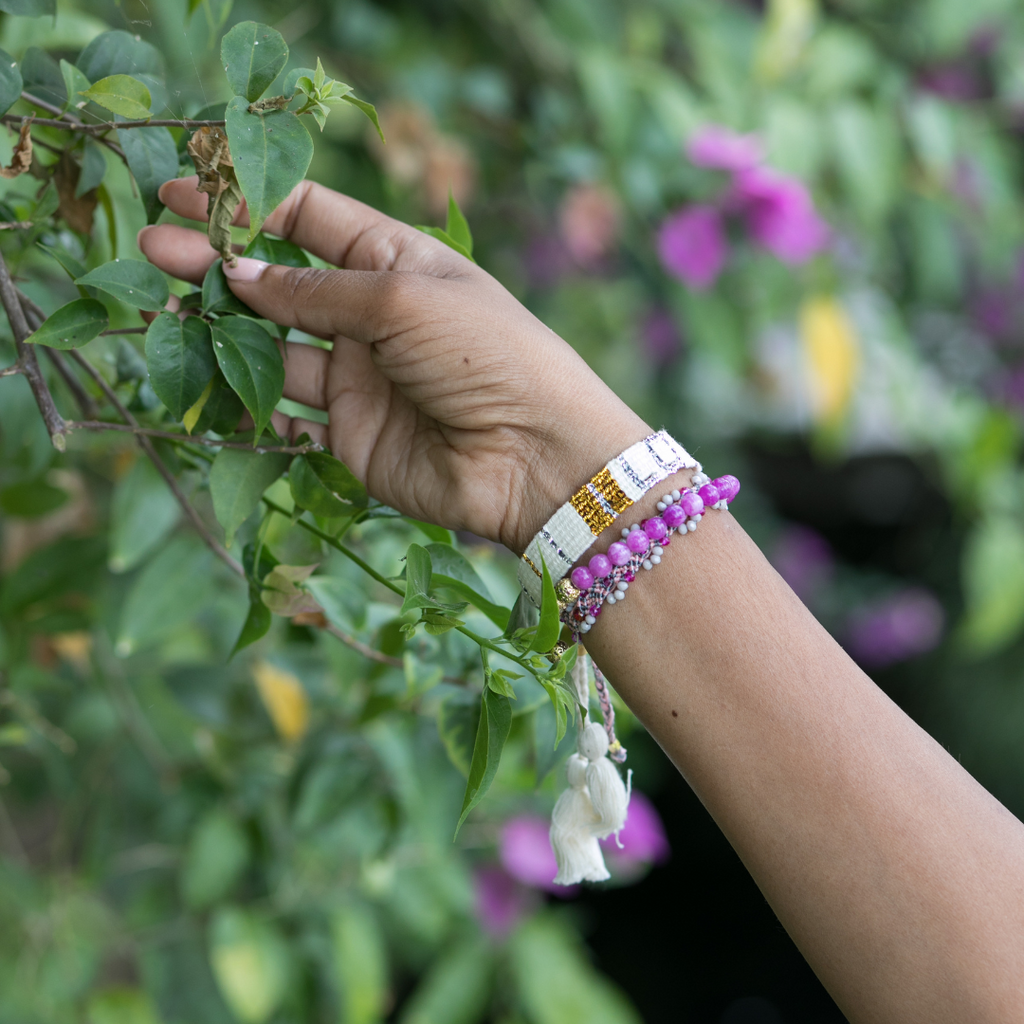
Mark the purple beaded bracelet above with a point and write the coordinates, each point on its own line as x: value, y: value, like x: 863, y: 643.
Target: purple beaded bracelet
x: 606, y: 578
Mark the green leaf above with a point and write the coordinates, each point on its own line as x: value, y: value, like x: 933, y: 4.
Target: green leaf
x: 72, y: 325
x: 325, y: 486
x: 122, y: 95
x: 121, y: 1005
x: 277, y: 250
x: 500, y: 681
x: 170, y: 590
x: 250, y: 962
x: 252, y: 56
x: 218, y: 298
x: 451, y: 569
x: 216, y: 856
x: 74, y: 83
x: 438, y: 534
x: 181, y: 362
x: 456, y: 988
x: 547, y: 740
x: 32, y: 498
x: 153, y: 159
x: 360, y: 963
x: 457, y: 227
x: 134, y: 282
x: 291, y: 80
x: 220, y: 411
x: 550, y: 626
x: 11, y: 82
x: 417, y: 578
x: 993, y: 573
x: 443, y: 236
x: 251, y: 364
x: 119, y: 53
x: 256, y: 625
x: 94, y: 168
x: 491, y: 733
x: 29, y: 8
x: 458, y: 718
x: 238, y: 479
x: 271, y: 152
x: 70, y: 265
x: 555, y: 981
x: 42, y: 77
x: 143, y: 512
x: 369, y: 110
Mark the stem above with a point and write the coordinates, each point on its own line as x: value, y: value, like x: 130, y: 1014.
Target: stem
x: 211, y: 442
x: 68, y: 122
x: 147, y: 446
x: 27, y: 360
x: 482, y: 641
x: 124, y: 330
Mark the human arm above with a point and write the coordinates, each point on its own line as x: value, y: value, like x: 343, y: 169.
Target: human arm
x: 900, y: 879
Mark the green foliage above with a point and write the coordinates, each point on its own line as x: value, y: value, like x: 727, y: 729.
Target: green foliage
x: 253, y: 56
x: 179, y: 354
x: 142, y: 513
x: 73, y: 325
x: 272, y: 151
x: 238, y: 479
x: 11, y: 82
x: 455, y: 988
x: 456, y: 234
x: 359, y: 956
x: 251, y: 364
x: 153, y: 159
x: 491, y: 734
x: 250, y: 962
x: 133, y: 282
x: 325, y: 486
x: 32, y: 8
x: 217, y: 854
x: 121, y: 94
x: 217, y: 297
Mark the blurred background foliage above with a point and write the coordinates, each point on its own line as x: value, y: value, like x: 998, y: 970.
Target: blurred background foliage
x: 832, y: 310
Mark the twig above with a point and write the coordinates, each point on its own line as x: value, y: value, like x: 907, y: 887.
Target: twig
x: 124, y: 330
x: 74, y: 385
x: 70, y: 124
x: 210, y: 442
x: 55, y: 425
x: 374, y: 655
x: 67, y: 121
x: 20, y: 225
x: 11, y: 371
x: 147, y: 446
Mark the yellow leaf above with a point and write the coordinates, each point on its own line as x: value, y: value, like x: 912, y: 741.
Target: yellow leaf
x: 787, y: 27
x: 73, y: 648
x: 191, y: 417
x: 285, y: 700
x: 832, y: 354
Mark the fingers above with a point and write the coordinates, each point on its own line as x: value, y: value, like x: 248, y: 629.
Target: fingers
x: 334, y: 227
x: 180, y: 252
x: 305, y: 374
x: 363, y: 305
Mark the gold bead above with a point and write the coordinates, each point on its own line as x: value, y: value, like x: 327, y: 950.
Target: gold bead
x: 557, y: 651
x: 566, y: 593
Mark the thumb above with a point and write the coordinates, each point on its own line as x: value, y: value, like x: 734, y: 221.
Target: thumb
x: 365, y: 305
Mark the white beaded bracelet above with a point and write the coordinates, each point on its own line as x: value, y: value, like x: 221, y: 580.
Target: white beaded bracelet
x: 596, y: 505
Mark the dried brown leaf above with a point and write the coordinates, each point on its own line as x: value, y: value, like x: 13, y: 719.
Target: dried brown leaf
x: 21, y: 158
x: 77, y: 211
x: 209, y: 150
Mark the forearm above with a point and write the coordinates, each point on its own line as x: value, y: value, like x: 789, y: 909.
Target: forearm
x: 898, y: 876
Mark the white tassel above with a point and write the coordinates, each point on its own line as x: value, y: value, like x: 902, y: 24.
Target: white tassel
x: 608, y: 796
x: 573, y: 839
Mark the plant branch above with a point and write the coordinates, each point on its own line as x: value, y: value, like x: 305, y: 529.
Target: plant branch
x: 210, y: 442
x: 28, y: 361
x: 147, y: 446
x: 124, y: 330
x: 66, y: 121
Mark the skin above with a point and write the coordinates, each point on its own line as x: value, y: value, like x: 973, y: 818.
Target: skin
x: 898, y: 876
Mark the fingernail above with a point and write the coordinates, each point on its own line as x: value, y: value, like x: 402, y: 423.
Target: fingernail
x: 138, y: 237
x: 244, y: 269
x: 161, y: 192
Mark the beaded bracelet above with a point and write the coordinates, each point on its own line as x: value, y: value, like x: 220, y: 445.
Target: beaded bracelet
x: 606, y: 577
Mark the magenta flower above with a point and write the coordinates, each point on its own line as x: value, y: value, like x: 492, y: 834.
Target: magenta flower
x: 717, y: 146
x: 692, y: 245
x: 904, y: 626
x: 643, y: 839
x: 780, y: 214
x: 661, y: 336
x: 803, y: 558
x: 525, y: 852
x: 499, y: 901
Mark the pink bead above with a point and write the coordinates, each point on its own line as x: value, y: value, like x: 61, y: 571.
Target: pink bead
x: 655, y: 527
x: 582, y: 578
x: 709, y: 494
x: 674, y: 516
x: 600, y: 566
x: 692, y: 504
x: 637, y: 542
x: 728, y: 486
x: 619, y: 553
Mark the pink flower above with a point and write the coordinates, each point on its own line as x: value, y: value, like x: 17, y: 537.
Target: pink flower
x: 780, y: 214
x: 906, y: 625
x: 525, y: 852
x: 499, y: 901
x: 717, y: 146
x: 803, y: 558
x: 643, y: 839
x: 588, y: 222
x: 692, y: 245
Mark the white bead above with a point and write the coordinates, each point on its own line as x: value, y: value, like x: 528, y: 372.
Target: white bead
x: 610, y: 599
x: 658, y: 550
x: 656, y: 559
x: 590, y: 620
x: 675, y: 495
x: 691, y: 526
x: 661, y: 506
x: 698, y: 517
x: 667, y: 499
x: 625, y: 532
x: 635, y: 526
x: 622, y: 585
x: 647, y: 563
x: 585, y: 627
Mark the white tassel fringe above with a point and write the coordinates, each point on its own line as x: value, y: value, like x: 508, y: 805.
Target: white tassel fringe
x: 577, y: 850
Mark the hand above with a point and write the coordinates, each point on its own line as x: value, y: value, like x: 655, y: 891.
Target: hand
x: 445, y: 396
